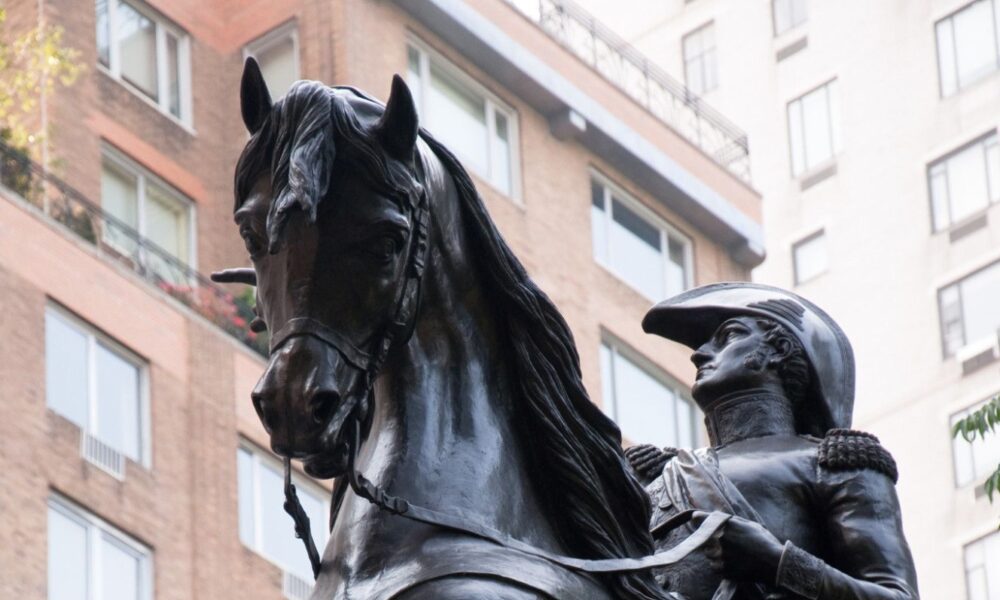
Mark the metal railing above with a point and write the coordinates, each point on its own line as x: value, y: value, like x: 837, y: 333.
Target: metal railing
x: 119, y: 242
x: 649, y: 85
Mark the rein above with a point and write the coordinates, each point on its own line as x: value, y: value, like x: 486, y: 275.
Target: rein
x: 399, y: 331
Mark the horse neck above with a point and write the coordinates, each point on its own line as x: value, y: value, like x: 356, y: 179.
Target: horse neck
x: 444, y: 434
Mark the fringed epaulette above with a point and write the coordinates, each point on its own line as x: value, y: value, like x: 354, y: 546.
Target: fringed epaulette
x: 846, y: 449
x: 647, y: 460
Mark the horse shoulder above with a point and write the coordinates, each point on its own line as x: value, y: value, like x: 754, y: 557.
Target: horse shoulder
x: 464, y: 587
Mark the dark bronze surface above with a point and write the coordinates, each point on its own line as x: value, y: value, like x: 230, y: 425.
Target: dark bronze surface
x: 397, y: 311
x: 814, y: 517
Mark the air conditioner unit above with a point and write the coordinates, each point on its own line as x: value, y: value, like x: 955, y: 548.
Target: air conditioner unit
x: 294, y: 587
x: 102, y: 456
x: 978, y: 354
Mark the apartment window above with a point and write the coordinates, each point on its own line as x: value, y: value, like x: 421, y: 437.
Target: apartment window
x: 970, y: 309
x: 646, y: 253
x: 156, y: 212
x: 265, y: 527
x: 788, y: 14
x: 139, y: 47
x: 95, y: 383
x: 277, y: 53
x: 473, y: 123
x: 967, y: 45
x: 813, y: 127
x: 90, y: 559
x: 975, y: 461
x: 648, y: 405
x: 982, y: 568
x: 965, y: 182
x: 700, y: 69
x: 810, y: 257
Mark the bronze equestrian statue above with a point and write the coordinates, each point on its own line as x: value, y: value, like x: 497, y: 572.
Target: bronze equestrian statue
x: 815, y: 509
x: 413, y: 359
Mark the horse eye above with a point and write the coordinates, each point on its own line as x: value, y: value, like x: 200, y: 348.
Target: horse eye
x: 385, y: 248
x: 252, y: 242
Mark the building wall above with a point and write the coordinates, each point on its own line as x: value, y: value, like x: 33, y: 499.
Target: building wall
x: 184, y: 507
x: 886, y: 265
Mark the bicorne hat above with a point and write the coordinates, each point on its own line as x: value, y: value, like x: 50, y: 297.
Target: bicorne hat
x: 692, y: 317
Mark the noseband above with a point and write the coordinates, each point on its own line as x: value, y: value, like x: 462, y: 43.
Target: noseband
x: 370, y: 362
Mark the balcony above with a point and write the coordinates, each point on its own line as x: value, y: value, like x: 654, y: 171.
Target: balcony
x: 630, y: 71
x: 119, y: 243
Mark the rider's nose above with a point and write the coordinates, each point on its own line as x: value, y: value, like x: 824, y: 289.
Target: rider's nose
x: 701, y: 356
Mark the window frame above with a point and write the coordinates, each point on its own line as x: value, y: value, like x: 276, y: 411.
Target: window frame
x: 665, y: 228
x: 162, y: 27
x: 272, y: 38
x: 792, y: 24
x: 957, y: 284
x: 942, y: 160
x: 493, y: 104
x: 609, y: 406
x: 302, y: 482
x: 937, y: 48
x: 144, y: 176
x: 700, y: 30
x: 812, y: 237
x: 94, y: 337
x: 96, y: 528
x: 965, y: 553
x: 836, y: 142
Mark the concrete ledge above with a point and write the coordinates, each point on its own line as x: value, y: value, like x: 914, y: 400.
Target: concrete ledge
x: 603, y: 133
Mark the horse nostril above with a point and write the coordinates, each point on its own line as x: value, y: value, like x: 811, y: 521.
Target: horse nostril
x: 323, y: 405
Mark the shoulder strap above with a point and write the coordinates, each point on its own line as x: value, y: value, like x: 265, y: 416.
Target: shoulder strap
x: 647, y: 460
x: 848, y: 449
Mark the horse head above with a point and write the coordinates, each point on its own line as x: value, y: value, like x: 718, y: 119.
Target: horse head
x: 337, y: 236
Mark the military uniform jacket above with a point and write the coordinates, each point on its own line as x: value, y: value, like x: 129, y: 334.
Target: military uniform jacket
x: 833, y: 502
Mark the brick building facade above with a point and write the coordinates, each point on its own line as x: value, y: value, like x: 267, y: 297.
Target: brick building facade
x: 156, y: 151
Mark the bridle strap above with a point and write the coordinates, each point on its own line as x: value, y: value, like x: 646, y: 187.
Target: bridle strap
x: 307, y: 326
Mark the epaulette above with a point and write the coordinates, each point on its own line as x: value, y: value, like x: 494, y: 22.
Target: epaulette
x: 647, y: 460
x: 846, y: 449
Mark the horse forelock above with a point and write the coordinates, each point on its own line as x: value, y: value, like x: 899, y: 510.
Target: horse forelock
x: 311, y: 131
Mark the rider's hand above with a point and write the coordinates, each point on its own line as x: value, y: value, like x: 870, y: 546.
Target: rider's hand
x: 743, y: 550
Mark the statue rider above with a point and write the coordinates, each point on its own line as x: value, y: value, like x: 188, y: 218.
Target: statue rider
x: 815, y: 509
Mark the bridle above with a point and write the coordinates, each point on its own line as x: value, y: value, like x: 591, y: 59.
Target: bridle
x: 370, y: 362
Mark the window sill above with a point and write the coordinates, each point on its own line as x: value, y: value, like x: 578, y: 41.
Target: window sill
x: 147, y: 100
x: 978, y: 82
x: 628, y: 286
x: 790, y: 49
x: 968, y: 226
x: 817, y: 175
x: 811, y: 279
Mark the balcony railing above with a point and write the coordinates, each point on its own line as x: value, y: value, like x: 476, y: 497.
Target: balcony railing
x: 120, y: 243
x: 630, y: 71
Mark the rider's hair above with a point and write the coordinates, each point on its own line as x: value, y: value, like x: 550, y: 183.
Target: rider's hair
x: 793, y: 368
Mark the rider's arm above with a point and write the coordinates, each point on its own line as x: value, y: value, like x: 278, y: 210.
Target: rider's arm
x: 869, y: 558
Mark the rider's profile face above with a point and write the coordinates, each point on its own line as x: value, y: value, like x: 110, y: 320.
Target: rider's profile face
x: 733, y: 359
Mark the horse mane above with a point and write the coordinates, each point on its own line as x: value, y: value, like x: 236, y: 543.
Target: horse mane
x: 596, y: 505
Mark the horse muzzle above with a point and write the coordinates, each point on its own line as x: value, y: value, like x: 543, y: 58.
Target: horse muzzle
x: 304, y: 398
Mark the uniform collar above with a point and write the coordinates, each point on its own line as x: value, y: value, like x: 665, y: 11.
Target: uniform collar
x: 749, y: 414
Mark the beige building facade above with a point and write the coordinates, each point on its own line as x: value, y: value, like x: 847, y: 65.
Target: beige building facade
x: 872, y: 129
x: 132, y: 464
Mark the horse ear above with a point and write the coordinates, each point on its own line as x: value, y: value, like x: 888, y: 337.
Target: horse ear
x: 255, y: 100
x: 398, y: 127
